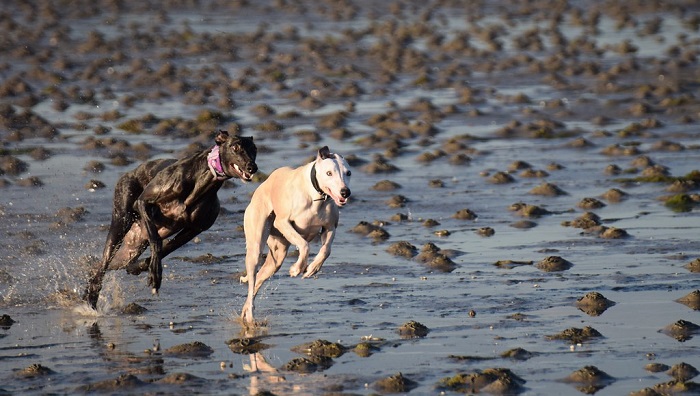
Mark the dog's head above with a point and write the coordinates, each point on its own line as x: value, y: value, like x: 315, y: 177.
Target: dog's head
x: 333, y: 175
x: 237, y: 155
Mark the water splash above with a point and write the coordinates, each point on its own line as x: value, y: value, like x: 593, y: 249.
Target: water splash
x: 112, y: 298
x: 50, y: 279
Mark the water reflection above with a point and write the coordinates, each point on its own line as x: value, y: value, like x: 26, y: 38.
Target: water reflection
x: 262, y: 374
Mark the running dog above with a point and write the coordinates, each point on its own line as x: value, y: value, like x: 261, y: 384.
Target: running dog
x: 168, y: 198
x: 293, y: 207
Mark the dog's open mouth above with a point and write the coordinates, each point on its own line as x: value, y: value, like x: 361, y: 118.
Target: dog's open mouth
x: 243, y: 175
x: 339, y: 200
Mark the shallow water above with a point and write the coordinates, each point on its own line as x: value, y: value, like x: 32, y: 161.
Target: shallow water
x: 364, y: 291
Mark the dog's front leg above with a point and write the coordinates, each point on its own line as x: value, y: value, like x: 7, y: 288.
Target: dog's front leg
x: 302, y: 262
x: 323, y: 253
x: 163, y: 191
x: 285, y: 227
x: 147, y: 211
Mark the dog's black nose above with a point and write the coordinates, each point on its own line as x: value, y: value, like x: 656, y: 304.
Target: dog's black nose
x: 344, y: 192
x: 251, y: 168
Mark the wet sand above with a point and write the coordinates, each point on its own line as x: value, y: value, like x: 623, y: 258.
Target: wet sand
x: 524, y: 216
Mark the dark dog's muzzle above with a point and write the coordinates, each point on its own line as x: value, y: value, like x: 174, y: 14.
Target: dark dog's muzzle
x: 251, y: 168
x: 246, y: 171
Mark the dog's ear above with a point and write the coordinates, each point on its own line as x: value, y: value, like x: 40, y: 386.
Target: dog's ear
x: 324, y: 153
x: 221, y: 137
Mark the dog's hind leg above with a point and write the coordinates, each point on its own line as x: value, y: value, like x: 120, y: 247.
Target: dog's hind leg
x: 114, y: 240
x: 278, y: 252
x: 257, y: 231
x: 133, y: 245
x: 125, y: 193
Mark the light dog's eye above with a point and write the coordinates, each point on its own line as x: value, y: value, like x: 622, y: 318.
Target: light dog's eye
x: 329, y: 173
x: 348, y: 173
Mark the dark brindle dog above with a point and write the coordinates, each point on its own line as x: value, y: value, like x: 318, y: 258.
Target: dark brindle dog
x: 168, y: 197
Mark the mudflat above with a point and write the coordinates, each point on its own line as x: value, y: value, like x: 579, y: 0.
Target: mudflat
x: 524, y: 216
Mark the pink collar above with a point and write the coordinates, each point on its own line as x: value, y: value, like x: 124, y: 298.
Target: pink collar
x: 214, y: 162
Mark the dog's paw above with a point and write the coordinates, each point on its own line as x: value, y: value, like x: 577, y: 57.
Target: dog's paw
x: 90, y: 296
x: 295, y: 271
x: 310, y: 272
x: 243, y: 279
x: 297, y: 268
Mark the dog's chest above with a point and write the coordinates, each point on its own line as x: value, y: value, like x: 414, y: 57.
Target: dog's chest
x: 312, y: 221
x: 173, y: 210
x: 175, y: 214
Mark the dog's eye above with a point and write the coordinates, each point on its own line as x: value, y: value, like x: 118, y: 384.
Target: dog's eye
x: 348, y: 173
x: 236, y: 147
x: 329, y: 173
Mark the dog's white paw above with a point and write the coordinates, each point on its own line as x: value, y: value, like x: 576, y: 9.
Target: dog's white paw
x: 310, y: 271
x: 243, y: 279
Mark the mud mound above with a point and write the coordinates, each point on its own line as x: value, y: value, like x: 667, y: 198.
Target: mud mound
x: 394, y: 384
x: 321, y: 348
x: 554, y: 264
x: 594, y: 303
x: 491, y: 380
x: 691, y: 300
x: 246, y: 346
x: 575, y: 335
x: 194, y: 349
x: 589, y: 379
x: 681, y: 330
x: 413, y: 329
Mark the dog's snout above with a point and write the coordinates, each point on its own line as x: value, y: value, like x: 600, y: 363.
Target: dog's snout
x: 344, y: 192
x: 251, y: 167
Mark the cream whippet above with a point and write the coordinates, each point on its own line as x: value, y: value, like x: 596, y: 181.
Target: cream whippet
x: 293, y: 207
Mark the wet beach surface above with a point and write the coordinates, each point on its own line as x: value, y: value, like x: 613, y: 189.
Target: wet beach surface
x: 524, y: 216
